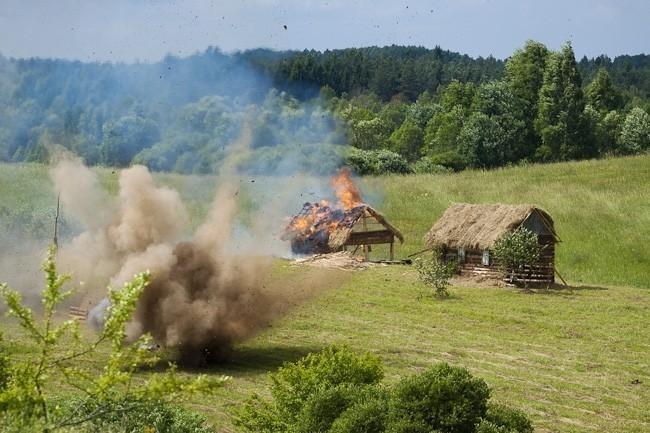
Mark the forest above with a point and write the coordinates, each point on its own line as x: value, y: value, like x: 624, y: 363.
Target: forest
x: 395, y: 109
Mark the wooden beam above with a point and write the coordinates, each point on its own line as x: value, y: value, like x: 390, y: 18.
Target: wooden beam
x: 371, y: 237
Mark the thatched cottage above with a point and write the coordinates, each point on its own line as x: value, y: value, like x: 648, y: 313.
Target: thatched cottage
x: 466, y: 232
x: 319, y: 228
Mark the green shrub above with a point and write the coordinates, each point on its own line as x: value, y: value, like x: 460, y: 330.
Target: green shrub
x: 507, y: 419
x: 336, y: 391
x: 28, y: 395
x: 297, y: 384
x: 435, y: 273
x: 326, y: 406
x: 450, y: 159
x: 516, y: 251
x: 445, y: 398
x: 390, y: 162
x: 362, y: 162
x: 143, y: 416
x: 427, y: 166
x: 367, y: 415
x: 376, y: 162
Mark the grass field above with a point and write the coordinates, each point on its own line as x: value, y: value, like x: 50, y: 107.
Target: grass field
x: 570, y: 359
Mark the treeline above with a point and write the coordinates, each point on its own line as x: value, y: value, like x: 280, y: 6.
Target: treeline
x: 401, y: 109
x: 540, y: 110
x: 386, y: 72
x: 178, y: 115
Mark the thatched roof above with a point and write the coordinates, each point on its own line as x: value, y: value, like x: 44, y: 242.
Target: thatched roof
x: 478, y: 226
x: 342, y: 233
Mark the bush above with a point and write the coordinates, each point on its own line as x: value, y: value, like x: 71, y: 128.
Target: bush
x: 344, y: 404
x: 427, y: 166
x: 298, y: 390
x: 336, y: 391
x: 507, y: 420
x: 517, y: 250
x: 435, y: 273
x: 450, y: 159
x: 391, y: 162
x: 143, y: 416
x: 376, y: 162
x: 367, y: 415
x: 444, y: 398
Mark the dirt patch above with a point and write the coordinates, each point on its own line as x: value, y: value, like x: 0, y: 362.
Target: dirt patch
x: 343, y: 260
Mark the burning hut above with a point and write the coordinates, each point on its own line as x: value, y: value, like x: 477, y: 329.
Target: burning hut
x: 324, y: 228
x: 320, y: 228
x: 466, y: 232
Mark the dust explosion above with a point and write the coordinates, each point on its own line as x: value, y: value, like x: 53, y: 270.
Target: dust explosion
x: 201, y: 299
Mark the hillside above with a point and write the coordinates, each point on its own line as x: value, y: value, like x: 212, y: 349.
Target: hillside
x: 600, y: 207
x: 574, y: 360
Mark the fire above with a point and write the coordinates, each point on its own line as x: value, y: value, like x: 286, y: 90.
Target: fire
x: 312, y: 227
x: 346, y: 191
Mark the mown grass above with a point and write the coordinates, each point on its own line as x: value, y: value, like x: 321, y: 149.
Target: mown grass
x: 570, y: 359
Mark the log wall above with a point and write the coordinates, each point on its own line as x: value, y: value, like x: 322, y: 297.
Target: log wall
x: 542, y: 272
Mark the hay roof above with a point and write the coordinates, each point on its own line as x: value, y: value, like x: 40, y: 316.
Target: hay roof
x: 478, y: 226
x: 342, y: 233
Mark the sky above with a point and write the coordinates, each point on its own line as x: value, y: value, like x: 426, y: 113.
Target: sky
x: 147, y: 30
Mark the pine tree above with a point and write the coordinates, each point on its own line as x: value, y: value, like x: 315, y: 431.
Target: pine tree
x: 525, y: 75
x: 560, y: 122
x: 601, y: 93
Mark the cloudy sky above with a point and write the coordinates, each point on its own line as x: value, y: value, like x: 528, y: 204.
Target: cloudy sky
x: 146, y: 30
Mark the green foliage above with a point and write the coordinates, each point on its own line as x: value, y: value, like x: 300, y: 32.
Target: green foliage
x: 442, y: 131
x: 602, y: 94
x: 435, y: 273
x: 26, y: 403
x: 426, y: 165
x: 127, y: 414
x: 312, y: 392
x: 635, y: 133
x: 367, y: 415
x: 443, y: 398
x: 5, y: 370
x: 407, y: 140
x: 506, y: 419
x: 606, y: 127
x: 560, y: 121
x: 517, y: 250
x: 376, y: 162
x: 450, y: 159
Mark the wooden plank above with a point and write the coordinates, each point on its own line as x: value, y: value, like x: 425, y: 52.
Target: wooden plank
x: 372, y: 237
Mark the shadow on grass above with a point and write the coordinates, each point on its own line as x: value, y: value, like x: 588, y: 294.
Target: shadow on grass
x: 236, y: 361
x: 561, y: 290
x: 262, y: 359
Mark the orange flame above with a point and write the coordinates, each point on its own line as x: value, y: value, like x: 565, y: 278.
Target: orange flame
x: 322, y: 217
x: 346, y: 191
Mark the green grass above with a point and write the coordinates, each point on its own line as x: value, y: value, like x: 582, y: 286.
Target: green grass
x: 567, y: 358
x: 601, y: 208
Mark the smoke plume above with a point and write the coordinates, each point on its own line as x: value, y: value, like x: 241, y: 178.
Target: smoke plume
x: 202, y: 298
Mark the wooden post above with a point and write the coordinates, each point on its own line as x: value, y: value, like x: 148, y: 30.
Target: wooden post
x: 365, y: 229
x: 56, y: 222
